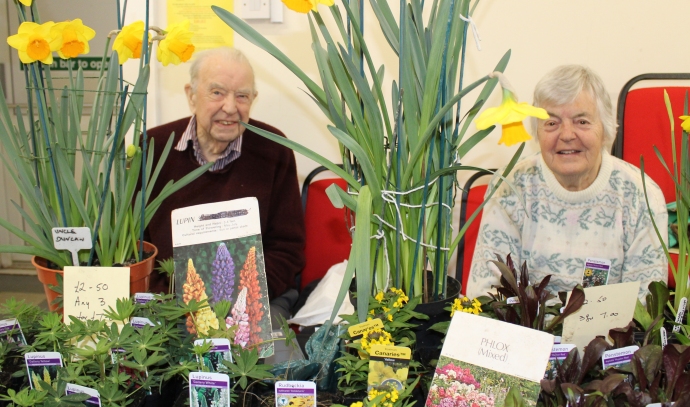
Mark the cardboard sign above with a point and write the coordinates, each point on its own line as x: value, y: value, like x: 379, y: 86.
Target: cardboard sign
x: 606, y: 307
x: 72, y: 239
x: 89, y: 291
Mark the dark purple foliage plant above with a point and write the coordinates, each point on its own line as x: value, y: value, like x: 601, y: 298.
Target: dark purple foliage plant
x: 223, y: 275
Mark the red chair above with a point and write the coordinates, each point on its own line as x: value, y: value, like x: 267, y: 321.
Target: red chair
x: 328, y: 239
x: 643, y: 123
x: 472, y: 197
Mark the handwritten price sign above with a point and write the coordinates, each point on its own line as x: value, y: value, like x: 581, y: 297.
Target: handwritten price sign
x: 89, y: 291
x: 606, y: 307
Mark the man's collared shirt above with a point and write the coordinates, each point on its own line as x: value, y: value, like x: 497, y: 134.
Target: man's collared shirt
x: 231, y: 153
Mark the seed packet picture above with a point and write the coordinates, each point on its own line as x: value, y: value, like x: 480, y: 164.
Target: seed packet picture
x: 220, y: 351
x: 11, y: 332
x: 596, y: 272
x: 219, y: 256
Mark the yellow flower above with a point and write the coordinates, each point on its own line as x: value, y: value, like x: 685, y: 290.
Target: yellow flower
x: 177, y: 45
x: 128, y: 41
x: 131, y: 150
x: 686, y: 123
x: 27, y: 3
x: 510, y: 115
x: 357, y: 404
x: 379, y: 297
x: 35, y: 42
x: 464, y: 304
x: 304, y: 6
x: 588, y: 272
x: 375, y: 337
x: 74, y: 38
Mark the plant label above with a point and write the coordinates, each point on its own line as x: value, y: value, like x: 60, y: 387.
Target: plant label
x: 558, y: 354
x: 94, y: 398
x: 209, y: 389
x: 618, y: 357
x: 295, y: 393
x: 682, y: 308
x: 483, y: 350
x: 596, y: 272
x: 143, y: 298
x: 220, y: 350
x: 664, y: 337
x: 42, y: 366
x: 89, y: 291
x: 72, y: 239
x: 11, y: 332
x: 140, y: 322
x: 606, y: 307
x: 357, y: 331
x: 388, y: 366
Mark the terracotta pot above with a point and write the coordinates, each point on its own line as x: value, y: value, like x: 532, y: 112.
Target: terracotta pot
x: 139, y: 274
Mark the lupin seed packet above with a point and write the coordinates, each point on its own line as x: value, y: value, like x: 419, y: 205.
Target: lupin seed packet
x: 220, y: 350
x: 42, y: 366
x: 388, y: 366
x: 94, y: 398
x: 295, y: 394
x: 11, y: 332
x: 218, y: 256
x: 209, y: 389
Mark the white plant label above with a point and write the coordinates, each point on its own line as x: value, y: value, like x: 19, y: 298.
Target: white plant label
x: 682, y: 307
x: 72, y: 239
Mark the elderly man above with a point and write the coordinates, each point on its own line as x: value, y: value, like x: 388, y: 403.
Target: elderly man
x: 220, y: 96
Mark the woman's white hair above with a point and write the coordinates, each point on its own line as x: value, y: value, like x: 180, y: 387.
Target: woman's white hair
x: 564, y: 83
x: 227, y: 53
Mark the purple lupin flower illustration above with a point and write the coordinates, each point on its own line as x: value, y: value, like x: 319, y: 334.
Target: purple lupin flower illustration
x: 223, y: 275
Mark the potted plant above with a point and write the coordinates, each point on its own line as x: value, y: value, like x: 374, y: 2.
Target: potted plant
x: 400, y: 154
x: 70, y: 176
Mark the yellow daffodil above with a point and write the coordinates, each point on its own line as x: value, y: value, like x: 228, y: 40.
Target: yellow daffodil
x: 686, y: 123
x: 304, y: 6
x: 35, y: 42
x: 74, y: 37
x: 510, y: 115
x: 128, y: 42
x: 177, y: 45
x: 27, y: 3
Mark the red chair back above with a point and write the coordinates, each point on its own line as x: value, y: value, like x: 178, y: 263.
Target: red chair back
x: 643, y: 123
x: 472, y: 198
x: 328, y: 240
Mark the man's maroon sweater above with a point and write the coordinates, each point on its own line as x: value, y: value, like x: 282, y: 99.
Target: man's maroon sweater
x: 265, y: 170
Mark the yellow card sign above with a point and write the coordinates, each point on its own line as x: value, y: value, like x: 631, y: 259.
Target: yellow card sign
x: 209, y: 31
x: 356, y: 331
x: 89, y: 291
x: 388, y: 365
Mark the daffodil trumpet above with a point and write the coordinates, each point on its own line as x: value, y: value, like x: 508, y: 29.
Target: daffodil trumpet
x: 509, y: 114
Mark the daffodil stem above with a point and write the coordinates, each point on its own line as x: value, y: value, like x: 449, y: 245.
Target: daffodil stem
x: 44, y: 126
x: 144, y: 145
x: 32, y: 127
x: 106, y: 186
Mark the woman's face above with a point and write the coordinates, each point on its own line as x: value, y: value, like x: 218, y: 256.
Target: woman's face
x: 571, y: 141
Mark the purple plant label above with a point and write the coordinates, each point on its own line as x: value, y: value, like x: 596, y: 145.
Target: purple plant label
x: 596, y: 272
x: 682, y: 307
x: 43, y: 359
x: 11, y: 332
x: 512, y: 300
x: 618, y: 357
x: 143, y: 298
x: 94, y: 398
x: 557, y: 340
x: 664, y: 337
x: 203, y: 379
x: 139, y: 322
x: 560, y: 351
x: 287, y: 391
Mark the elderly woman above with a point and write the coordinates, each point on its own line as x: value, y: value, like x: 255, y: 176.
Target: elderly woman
x: 573, y: 209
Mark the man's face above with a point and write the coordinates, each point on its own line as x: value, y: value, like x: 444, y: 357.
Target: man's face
x: 222, y: 98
